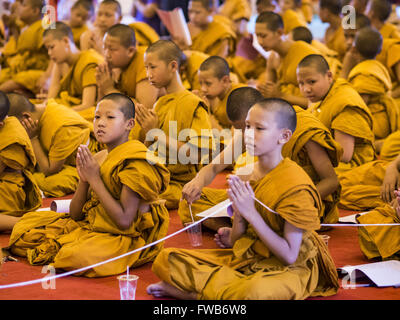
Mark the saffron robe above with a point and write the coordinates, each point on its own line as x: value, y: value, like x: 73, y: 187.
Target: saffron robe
x: 343, y: 109
x: 19, y: 192
x: 389, y: 31
x: 377, y: 241
x: 184, y: 117
x: 62, y: 131
x: 372, y: 78
x: 76, y: 34
x: 209, y: 40
x: 30, y: 60
x: 56, y: 239
x: 309, y: 128
x: 361, y: 186
x: 145, y: 34
x: 337, y: 42
x: 292, y: 19
x: 81, y: 74
x: 235, y: 9
x: 193, y: 62
x: 250, y: 270
x: 391, y: 147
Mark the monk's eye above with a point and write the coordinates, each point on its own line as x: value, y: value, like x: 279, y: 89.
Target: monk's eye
x: 110, y: 117
x: 97, y: 117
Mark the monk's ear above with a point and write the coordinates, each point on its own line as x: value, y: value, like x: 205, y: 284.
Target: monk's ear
x: 131, y: 124
x: 285, y: 136
x: 226, y: 79
x: 174, y: 65
x: 25, y: 115
x: 1, y: 123
x: 329, y: 75
x: 131, y: 51
x: 280, y: 32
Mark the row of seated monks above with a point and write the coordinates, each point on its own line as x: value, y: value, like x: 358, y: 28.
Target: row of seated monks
x: 133, y: 124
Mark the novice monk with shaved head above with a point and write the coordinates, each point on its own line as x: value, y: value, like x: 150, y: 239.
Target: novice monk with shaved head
x: 185, y: 138
x: 19, y: 191
x: 340, y: 108
x: 73, y: 80
x: 123, y: 55
x: 115, y: 208
x: 274, y: 255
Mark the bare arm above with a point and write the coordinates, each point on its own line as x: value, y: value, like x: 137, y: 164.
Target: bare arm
x: 329, y: 181
x: 146, y: 94
x: 45, y: 165
x: 347, y: 142
x: 88, y: 98
x: 54, y: 87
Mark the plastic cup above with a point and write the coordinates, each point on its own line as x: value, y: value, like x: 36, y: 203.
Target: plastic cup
x: 127, y: 286
x: 194, y: 234
x: 325, y: 238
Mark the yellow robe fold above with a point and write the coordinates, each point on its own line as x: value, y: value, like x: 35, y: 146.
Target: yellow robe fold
x: 361, y: 186
x: 81, y: 74
x: 76, y: 34
x: 133, y: 74
x: 62, y: 131
x: 235, y: 9
x: 377, y: 241
x: 209, y: 40
x: 389, y: 31
x: 343, y: 109
x: 30, y: 60
x: 391, y: 147
x: 18, y: 190
x: 292, y: 19
x: 372, y: 78
x: 184, y: 117
x: 250, y: 270
x: 56, y: 239
x: 389, y: 57
x: 145, y: 34
x: 287, y: 75
x: 189, y: 76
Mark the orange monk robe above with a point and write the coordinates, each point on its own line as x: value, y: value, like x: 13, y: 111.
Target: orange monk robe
x: 377, y: 241
x: 81, y: 74
x: 134, y: 73
x: 62, y: 131
x: 389, y: 57
x: 145, y: 35
x: 292, y: 19
x: 343, y: 109
x: 184, y: 117
x: 30, y: 60
x: 309, y: 128
x: 372, y: 78
x: 56, y: 239
x: 337, y: 42
x: 76, y: 34
x: 235, y: 9
x: 307, y: 10
x: 250, y: 270
x: 18, y: 190
x: 209, y: 40
x: 389, y: 31
x: 391, y: 147
x: 287, y: 75
x: 189, y: 74
x: 361, y: 186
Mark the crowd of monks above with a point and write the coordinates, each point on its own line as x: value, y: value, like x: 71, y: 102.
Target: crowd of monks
x: 134, y: 124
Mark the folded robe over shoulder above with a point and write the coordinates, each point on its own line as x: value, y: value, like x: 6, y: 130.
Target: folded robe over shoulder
x: 62, y: 131
x: 377, y: 241
x: 56, y: 239
x: 184, y: 117
x: 343, y: 109
x: 372, y: 78
x: 19, y: 191
x: 145, y: 34
x: 30, y: 59
x: 250, y: 270
x: 391, y: 147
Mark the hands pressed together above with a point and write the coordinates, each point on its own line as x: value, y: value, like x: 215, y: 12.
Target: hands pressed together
x: 86, y: 165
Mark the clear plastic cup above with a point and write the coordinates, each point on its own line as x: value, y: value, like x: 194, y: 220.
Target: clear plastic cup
x: 194, y: 234
x: 127, y: 286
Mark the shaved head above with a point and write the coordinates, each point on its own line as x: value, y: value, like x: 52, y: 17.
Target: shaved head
x: 316, y: 61
x: 285, y: 115
x: 240, y: 101
x: 59, y: 31
x: 166, y: 51
x: 125, y: 104
x: 218, y: 64
x: 19, y: 104
x: 368, y: 42
x: 124, y: 33
x: 4, y: 105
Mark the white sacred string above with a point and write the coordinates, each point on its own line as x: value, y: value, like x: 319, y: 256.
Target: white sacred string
x: 65, y: 274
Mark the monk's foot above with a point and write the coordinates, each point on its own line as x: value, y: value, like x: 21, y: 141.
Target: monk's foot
x: 223, y: 237
x: 164, y: 289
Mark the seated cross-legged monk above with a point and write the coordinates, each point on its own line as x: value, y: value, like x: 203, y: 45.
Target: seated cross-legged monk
x: 19, y: 192
x: 274, y: 255
x: 115, y: 209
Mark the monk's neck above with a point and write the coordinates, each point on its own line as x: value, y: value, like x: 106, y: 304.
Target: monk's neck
x: 39, y: 110
x: 225, y: 92
x: 175, y: 85
x: 113, y: 145
x: 283, y: 47
x: 268, y: 162
x: 73, y: 56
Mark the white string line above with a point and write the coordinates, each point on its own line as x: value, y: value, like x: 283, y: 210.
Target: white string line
x: 26, y: 283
